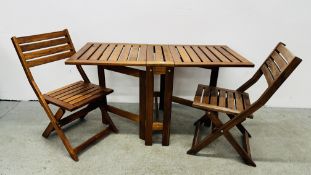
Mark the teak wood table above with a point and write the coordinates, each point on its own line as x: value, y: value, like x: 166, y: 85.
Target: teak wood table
x: 158, y: 60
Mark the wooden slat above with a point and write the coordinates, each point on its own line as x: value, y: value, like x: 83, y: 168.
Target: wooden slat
x: 273, y: 68
x: 63, y: 91
x: 209, y: 54
x: 192, y: 55
x: 134, y: 53
x: 279, y: 60
x: 214, y: 96
x: 158, y: 54
x: 46, y: 52
x: 99, y: 52
x: 116, y: 53
x: 90, y: 99
x: 167, y: 54
x: 40, y: 37
x: 69, y: 90
x: 49, y: 59
x: 40, y: 45
x: 74, y: 92
x: 267, y: 74
x: 222, y: 98
x: 90, y: 51
x: 285, y: 53
x: 125, y: 53
x: 85, y: 96
x: 206, y: 95
x: 235, y: 54
x: 198, y: 94
x: 202, y: 56
x: 184, y: 55
x: 107, y: 52
x: 239, y: 101
x: 246, y: 101
x: 64, y: 87
x: 150, y: 53
x: 80, y: 94
x: 81, y: 51
x: 175, y: 54
x: 227, y: 54
x: 230, y: 100
x: 218, y: 54
x: 58, y: 102
x: 142, y: 53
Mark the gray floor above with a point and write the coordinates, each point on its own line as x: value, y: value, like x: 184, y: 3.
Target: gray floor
x: 281, y: 144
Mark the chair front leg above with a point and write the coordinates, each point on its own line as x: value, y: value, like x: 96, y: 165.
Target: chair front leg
x: 244, y: 153
x: 55, y: 125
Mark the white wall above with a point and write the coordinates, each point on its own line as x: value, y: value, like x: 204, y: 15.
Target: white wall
x: 252, y: 28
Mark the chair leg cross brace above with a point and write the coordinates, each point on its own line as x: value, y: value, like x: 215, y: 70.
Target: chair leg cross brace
x: 59, y: 122
x: 219, y: 131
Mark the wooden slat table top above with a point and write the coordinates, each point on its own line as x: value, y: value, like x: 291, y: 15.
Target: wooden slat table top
x: 121, y: 54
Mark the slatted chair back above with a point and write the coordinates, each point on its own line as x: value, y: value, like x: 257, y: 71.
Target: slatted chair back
x: 41, y: 49
x: 276, y: 69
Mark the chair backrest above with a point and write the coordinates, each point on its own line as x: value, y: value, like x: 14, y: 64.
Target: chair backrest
x: 276, y: 69
x: 44, y: 48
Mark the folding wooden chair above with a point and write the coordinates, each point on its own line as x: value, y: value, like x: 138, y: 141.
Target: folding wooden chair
x: 40, y: 49
x: 236, y: 104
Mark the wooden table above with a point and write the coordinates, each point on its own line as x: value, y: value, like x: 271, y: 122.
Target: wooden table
x: 158, y: 60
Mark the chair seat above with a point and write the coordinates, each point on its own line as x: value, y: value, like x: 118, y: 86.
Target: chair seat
x: 220, y: 99
x: 76, y: 95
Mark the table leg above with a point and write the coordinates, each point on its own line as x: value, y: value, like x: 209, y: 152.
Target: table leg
x: 214, y: 77
x: 149, y: 105
x: 142, y: 105
x: 102, y: 83
x: 168, y: 93
x: 101, y: 76
x: 162, y: 88
x: 212, y: 82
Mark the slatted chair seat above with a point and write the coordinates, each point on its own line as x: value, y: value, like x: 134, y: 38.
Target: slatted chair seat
x: 76, y: 95
x: 220, y: 99
x: 236, y: 104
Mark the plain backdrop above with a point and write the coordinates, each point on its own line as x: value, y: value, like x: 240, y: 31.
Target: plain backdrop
x: 252, y: 28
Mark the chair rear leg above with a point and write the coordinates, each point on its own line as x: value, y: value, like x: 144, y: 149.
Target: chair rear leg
x: 204, y: 119
x: 59, y: 114
x: 240, y: 127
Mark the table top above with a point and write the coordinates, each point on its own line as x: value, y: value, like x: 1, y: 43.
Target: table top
x: 121, y: 54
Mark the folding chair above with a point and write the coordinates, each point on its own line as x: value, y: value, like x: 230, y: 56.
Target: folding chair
x: 236, y: 104
x: 40, y: 49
